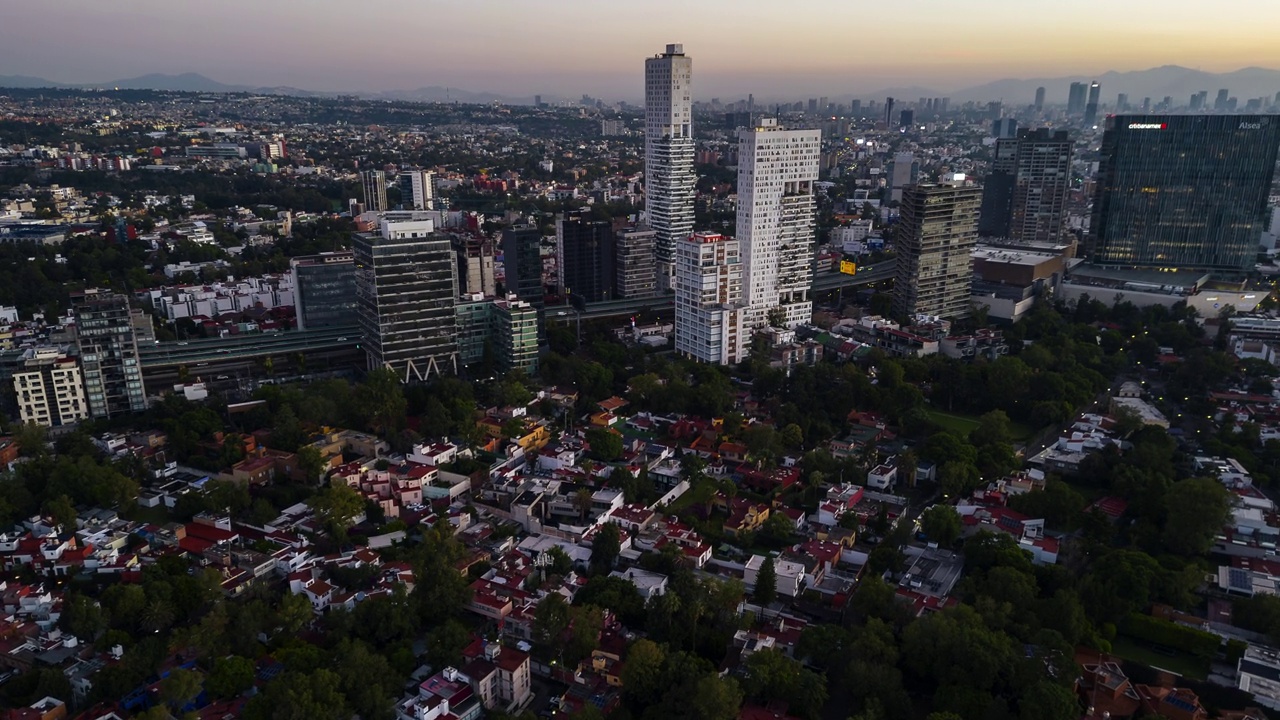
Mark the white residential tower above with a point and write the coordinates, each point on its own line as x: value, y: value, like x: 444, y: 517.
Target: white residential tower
x: 669, y: 152
x: 709, y: 309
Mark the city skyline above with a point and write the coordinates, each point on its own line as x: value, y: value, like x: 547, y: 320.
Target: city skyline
x: 506, y: 48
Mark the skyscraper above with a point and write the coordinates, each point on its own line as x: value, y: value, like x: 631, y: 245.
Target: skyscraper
x: 636, y: 277
x: 584, y: 257
x: 709, y: 315
x: 1183, y: 191
x: 1091, y: 107
x: 374, y: 184
x: 937, y: 231
x: 888, y: 112
x: 1076, y: 98
x: 1041, y: 183
x: 324, y: 289
x: 903, y: 171
x: 1040, y: 98
x: 1220, y: 103
x: 406, y: 288
x: 669, y: 152
x: 522, y: 263
x: 1198, y: 100
x: 1004, y: 128
x: 474, y: 257
x: 777, y: 214
x: 417, y: 189
x: 1122, y: 102
x: 997, y: 190
x: 108, y: 354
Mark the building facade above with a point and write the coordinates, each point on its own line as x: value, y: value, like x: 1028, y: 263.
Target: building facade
x: 475, y: 260
x: 637, y: 273
x: 406, y: 287
x: 669, y: 175
x: 49, y: 389
x: 709, y: 309
x: 324, y: 289
x: 417, y: 189
x: 584, y: 257
x: 108, y: 350
x: 522, y: 263
x: 1025, y: 196
x: 374, y: 186
x: 937, y: 232
x: 1183, y: 191
x: 777, y: 216
x: 502, y: 330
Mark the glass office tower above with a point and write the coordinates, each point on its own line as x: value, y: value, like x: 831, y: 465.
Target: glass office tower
x: 1183, y: 192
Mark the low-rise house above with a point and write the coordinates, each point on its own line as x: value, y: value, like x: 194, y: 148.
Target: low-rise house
x: 791, y: 576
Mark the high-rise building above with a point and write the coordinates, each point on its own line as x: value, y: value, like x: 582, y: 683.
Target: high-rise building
x: 813, y: 106
x: 503, y: 329
x: 903, y: 171
x: 1183, y: 191
x: 1076, y: 98
x: 475, y: 261
x: 937, y: 231
x: 1091, y: 107
x: 1042, y: 181
x: 906, y: 118
x: 637, y: 276
x: 777, y: 215
x: 1220, y: 102
x: 776, y: 220
x: 1198, y: 100
x: 1040, y: 98
x: 324, y: 289
x: 855, y: 108
x: 374, y: 184
x: 1146, y: 104
x: 108, y: 354
x: 822, y: 104
x: 888, y: 112
x: 669, y: 152
x: 49, y: 388
x: 417, y: 189
x: 584, y: 257
x: 1122, y: 102
x: 406, y: 287
x: 522, y: 263
x: 709, y: 308
x: 997, y: 190
x: 1004, y: 128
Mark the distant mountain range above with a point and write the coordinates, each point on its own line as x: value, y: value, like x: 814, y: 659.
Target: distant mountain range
x: 1172, y: 80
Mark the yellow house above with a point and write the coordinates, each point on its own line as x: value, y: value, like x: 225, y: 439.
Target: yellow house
x: 745, y: 516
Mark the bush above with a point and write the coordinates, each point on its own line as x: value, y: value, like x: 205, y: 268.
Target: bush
x: 1171, y: 635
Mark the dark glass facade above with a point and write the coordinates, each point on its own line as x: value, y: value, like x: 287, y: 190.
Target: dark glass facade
x: 325, y: 286
x: 522, y: 262
x: 585, y: 257
x: 1183, y: 192
x: 108, y: 354
x: 406, y: 288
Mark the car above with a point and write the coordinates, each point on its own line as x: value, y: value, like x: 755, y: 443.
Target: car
x: 342, y: 339
x: 222, y: 377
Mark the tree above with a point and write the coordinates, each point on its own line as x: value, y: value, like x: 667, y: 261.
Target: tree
x: 63, y: 513
x: 31, y: 439
x: 586, y: 622
x: 550, y: 620
x: 300, y: 696
x: 311, y: 463
x: 1196, y: 508
x: 1047, y: 700
x: 605, y: 547
x: 941, y: 524
x: 777, y: 529
x: 380, y: 402
x: 766, y: 590
x: 230, y: 677
x: 180, y: 688
x: 642, y: 681
x: 337, y: 504
x: 605, y: 445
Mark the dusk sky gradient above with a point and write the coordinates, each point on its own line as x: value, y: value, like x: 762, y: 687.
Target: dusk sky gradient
x: 569, y: 47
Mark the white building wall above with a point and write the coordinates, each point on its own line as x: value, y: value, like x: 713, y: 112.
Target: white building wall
x: 669, y: 153
x: 777, y: 214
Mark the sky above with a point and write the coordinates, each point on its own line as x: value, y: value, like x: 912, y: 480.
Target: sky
x: 571, y: 47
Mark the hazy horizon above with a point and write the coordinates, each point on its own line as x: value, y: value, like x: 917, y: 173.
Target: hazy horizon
x: 570, y: 47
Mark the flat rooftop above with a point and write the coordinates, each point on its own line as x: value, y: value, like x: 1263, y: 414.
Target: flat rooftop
x: 1176, y: 278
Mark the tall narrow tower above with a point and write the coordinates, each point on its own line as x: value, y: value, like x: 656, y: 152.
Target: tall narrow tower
x: 777, y: 214
x: 669, y: 152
